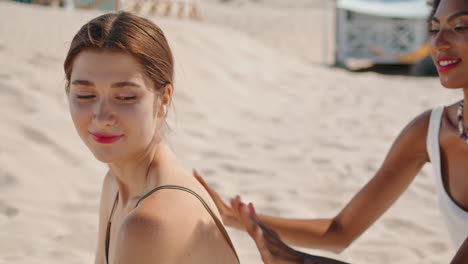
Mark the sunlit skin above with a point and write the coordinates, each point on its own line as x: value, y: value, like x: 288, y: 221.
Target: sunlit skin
x: 119, y: 116
x: 114, y: 100
x: 449, y: 49
x: 449, y: 42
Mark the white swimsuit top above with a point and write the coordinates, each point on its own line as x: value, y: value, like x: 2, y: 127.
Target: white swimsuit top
x: 455, y: 218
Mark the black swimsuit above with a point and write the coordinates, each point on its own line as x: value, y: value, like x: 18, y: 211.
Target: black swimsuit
x: 217, y: 221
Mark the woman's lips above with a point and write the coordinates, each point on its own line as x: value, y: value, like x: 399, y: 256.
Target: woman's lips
x: 105, y: 139
x: 447, y: 63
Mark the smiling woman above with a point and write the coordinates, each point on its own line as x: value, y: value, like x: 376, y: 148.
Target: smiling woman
x: 449, y: 29
x: 112, y: 101
x: 119, y: 72
x: 437, y: 135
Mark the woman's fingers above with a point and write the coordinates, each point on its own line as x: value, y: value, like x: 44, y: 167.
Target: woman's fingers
x: 251, y: 223
x: 265, y: 253
x: 202, y: 181
x: 272, y: 249
x: 228, y: 214
x: 258, y: 237
x: 235, y: 204
x: 246, y: 219
x: 237, y: 208
x: 252, y: 211
x: 214, y: 195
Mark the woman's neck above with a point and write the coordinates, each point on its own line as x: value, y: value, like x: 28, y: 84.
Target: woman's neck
x: 465, y: 108
x: 134, y: 176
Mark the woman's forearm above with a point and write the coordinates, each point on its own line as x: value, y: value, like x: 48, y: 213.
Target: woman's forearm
x: 310, y: 233
x: 462, y: 255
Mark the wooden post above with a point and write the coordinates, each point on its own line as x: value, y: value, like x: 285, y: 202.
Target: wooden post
x: 69, y: 5
x: 329, y: 7
x: 325, y: 32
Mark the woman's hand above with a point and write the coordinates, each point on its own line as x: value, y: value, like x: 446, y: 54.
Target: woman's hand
x: 228, y: 215
x: 269, y: 244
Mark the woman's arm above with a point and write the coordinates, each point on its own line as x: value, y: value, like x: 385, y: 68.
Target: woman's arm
x: 271, y: 248
x: 404, y: 160
x: 462, y: 255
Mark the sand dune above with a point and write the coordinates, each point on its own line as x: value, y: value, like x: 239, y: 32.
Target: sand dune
x: 257, y: 118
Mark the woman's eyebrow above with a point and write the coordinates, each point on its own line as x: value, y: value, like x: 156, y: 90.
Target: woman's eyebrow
x: 461, y: 13
x: 114, y: 85
x: 452, y: 17
x: 82, y: 82
x: 125, y: 84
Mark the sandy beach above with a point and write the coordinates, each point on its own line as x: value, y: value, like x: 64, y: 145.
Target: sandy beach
x: 254, y: 110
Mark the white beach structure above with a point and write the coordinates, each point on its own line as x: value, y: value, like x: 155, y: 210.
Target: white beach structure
x: 181, y: 9
x: 188, y: 9
x: 380, y: 31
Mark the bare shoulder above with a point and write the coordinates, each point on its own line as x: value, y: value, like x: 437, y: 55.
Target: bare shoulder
x: 168, y: 210
x: 144, y: 238
x: 412, y: 140
x: 167, y: 227
x: 420, y: 123
x: 170, y: 226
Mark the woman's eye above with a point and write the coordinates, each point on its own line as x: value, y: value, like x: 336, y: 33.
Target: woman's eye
x: 85, y: 96
x: 461, y: 28
x: 126, y: 98
x: 433, y: 31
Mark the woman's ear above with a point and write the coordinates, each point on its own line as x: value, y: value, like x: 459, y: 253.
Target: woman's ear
x: 165, y: 98
x: 67, y: 91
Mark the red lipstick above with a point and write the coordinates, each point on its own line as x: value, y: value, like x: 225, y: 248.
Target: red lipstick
x: 444, y: 68
x: 104, y: 138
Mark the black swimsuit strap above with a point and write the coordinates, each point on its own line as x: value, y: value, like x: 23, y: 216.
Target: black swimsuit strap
x: 109, y: 223
x: 219, y: 224
x: 177, y: 187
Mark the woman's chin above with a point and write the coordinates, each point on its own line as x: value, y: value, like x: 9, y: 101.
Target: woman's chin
x: 104, y: 160
x: 105, y: 157
x: 453, y: 81
x: 451, y: 84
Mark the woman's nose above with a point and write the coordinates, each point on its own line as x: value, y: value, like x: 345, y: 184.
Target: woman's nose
x: 441, y: 41
x: 103, y: 115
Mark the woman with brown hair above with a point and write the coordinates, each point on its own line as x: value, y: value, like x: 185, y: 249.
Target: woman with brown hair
x: 119, y: 73
x: 438, y: 136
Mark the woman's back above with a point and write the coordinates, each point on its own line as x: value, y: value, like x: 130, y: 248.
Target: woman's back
x: 171, y: 223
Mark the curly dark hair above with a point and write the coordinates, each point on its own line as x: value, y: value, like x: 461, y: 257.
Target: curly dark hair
x: 435, y: 5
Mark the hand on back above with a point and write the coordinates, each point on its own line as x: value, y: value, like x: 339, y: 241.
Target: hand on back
x: 237, y: 216
x: 229, y: 216
x: 272, y: 249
